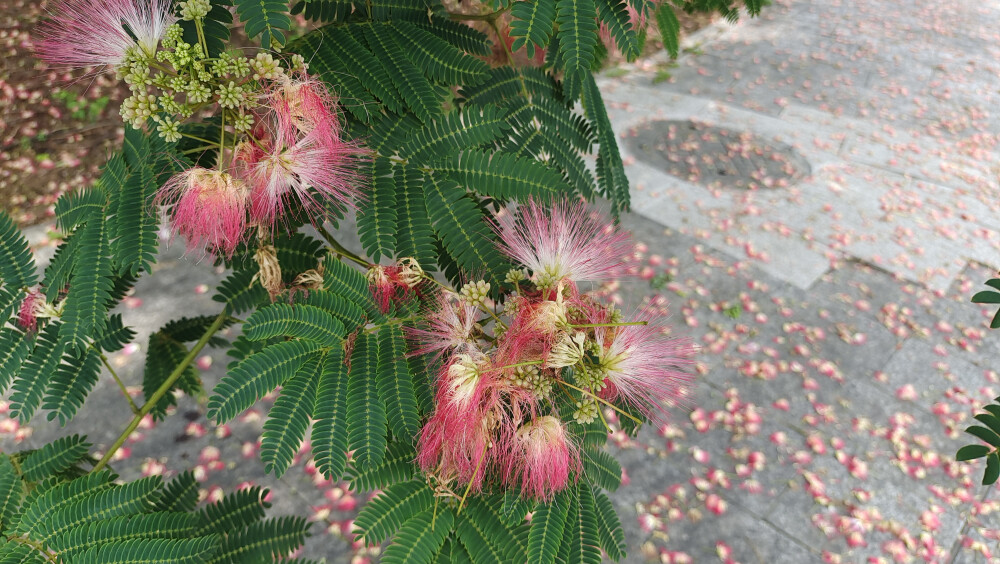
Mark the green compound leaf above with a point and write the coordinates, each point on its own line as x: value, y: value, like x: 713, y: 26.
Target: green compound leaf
x: 670, y: 29
x: 602, y: 469
x: 420, y: 538
x: 349, y: 313
x: 577, y: 24
x: 151, y: 551
x: 471, y: 127
x: 288, y: 419
x: 609, y: 528
x: 301, y: 321
x: 501, y: 175
x: 547, y: 526
x: 11, y: 492
x: 181, y: 494
x: 257, y: 376
x: 387, y: 512
x: 17, y: 266
x: 350, y: 284
x: 614, y: 14
x: 462, y: 228
x: 15, y: 347
x: 366, y: 421
x: 54, y: 457
x: 410, y: 82
x: 485, y: 516
x: 241, y: 292
x: 266, y: 18
x: 439, y: 60
x: 581, y: 536
x: 415, y: 237
x: 74, y: 208
x: 329, y: 432
x: 122, y: 529
x: 29, y: 386
x: 70, y: 385
x: 90, y: 286
x: 265, y: 541
x: 397, y: 466
x: 377, y: 216
x: 235, y: 511
x: 395, y: 384
x: 531, y: 24
x: 610, y: 169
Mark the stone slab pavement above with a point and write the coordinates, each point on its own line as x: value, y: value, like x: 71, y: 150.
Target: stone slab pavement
x: 828, y: 287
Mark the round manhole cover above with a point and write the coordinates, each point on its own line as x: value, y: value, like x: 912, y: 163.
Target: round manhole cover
x: 716, y: 157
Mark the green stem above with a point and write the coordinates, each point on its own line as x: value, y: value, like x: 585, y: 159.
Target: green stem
x: 200, y: 149
x: 201, y: 36
x: 468, y: 488
x: 222, y: 139
x: 605, y: 402
x: 490, y: 17
x: 340, y: 249
x: 163, y: 389
x: 525, y: 363
x: 510, y: 56
x: 121, y: 386
x: 624, y: 324
x: 196, y: 138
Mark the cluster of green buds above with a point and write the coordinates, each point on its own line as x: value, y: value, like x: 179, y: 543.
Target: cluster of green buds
x: 179, y: 79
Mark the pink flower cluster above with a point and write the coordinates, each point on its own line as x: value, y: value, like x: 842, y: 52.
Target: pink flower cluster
x: 295, y: 156
x: 505, y: 375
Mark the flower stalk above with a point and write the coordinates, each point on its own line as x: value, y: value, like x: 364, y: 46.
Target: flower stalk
x: 164, y: 388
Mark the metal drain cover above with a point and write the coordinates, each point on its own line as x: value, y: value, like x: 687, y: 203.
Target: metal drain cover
x: 716, y: 157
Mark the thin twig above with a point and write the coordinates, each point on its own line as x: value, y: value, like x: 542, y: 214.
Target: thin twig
x: 163, y: 389
x: 121, y: 386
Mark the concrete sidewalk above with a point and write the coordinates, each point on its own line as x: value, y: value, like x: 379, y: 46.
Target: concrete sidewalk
x: 815, y: 196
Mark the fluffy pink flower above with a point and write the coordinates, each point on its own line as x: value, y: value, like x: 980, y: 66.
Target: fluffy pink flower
x: 314, y: 168
x: 644, y: 367
x: 543, y: 459
x: 31, y: 309
x: 84, y: 33
x: 456, y: 439
x: 303, y: 105
x: 564, y: 242
x: 449, y: 326
x: 207, y: 207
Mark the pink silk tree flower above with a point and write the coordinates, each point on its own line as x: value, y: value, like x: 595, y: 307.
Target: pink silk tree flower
x: 207, y: 207
x: 564, y: 242
x: 32, y: 307
x: 457, y: 439
x: 644, y: 367
x: 543, y: 459
x: 85, y: 33
x: 315, y: 168
x: 448, y: 327
x: 305, y: 104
